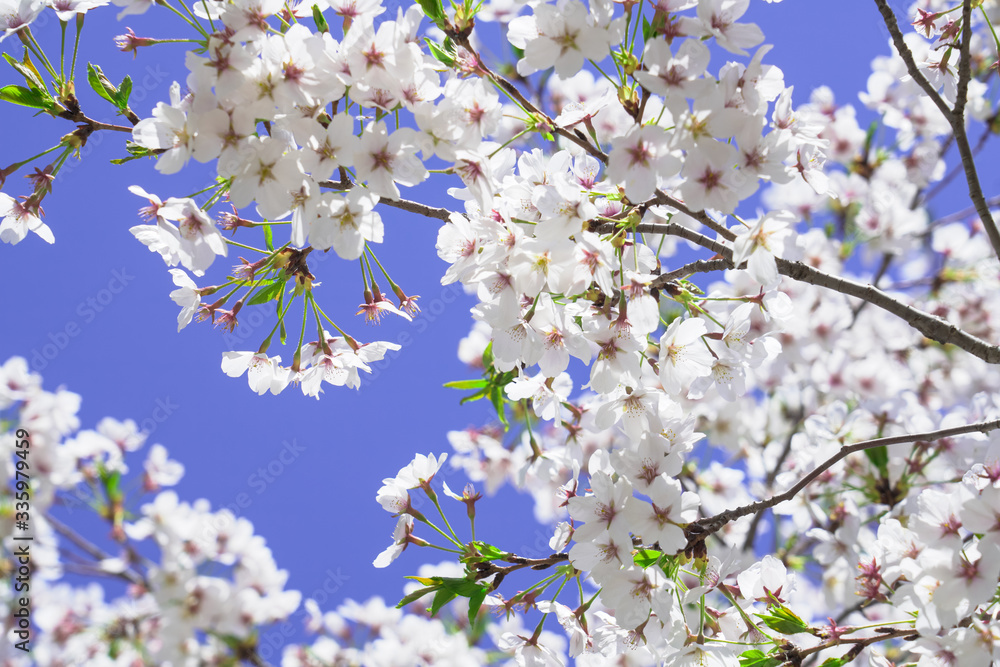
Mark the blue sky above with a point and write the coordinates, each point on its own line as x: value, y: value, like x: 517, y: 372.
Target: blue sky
x: 92, y: 313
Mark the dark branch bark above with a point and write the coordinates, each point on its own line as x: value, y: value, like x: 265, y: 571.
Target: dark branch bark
x: 714, y: 523
x: 930, y: 326
x: 956, y: 117
x: 414, y: 207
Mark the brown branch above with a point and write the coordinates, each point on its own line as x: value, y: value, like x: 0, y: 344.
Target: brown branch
x: 414, y: 207
x: 956, y: 117
x: 702, y: 217
x: 698, y: 266
x: 879, y: 274
x: 771, y: 476
x: 93, y: 550
x: 404, y: 204
x: 714, y: 523
x: 860, y: 643
x: 488, y: 568
x: 580, y: 140
x: 930, y: 326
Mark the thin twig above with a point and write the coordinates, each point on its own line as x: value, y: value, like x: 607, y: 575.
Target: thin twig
x: 698, y: 266
x: 930, y: 326
x: 964, y: 213
x: 92, y: 549
x: 773, y: 475
x: 956, y: 117
x: 414, y: 207
x: 713, y: 523
x: 404, y: 204
x: 879, y: 274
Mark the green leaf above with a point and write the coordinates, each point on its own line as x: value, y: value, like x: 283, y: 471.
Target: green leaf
x: 448, y: 588
x: 268, y: 293
x: 124, y: 91
x: 281, y: 326
x: 135, y: 152
x: 27, y: 70
x: 441, y: 598
x: 415, y: 595
x: 440, y: 54
x: 879, y: 456
x: 101, y: 84
x: 479, y: 395
x: 433, y: 9
x: 34, y: 98
x: 268, y: 237
x: 757, y: 658
x: 488, y: 551
x: 112, y: 485
x: 651, y: 30
x: 834, y: 662
x: 499, y: 404
x: 475, y: 602
x: 488, y: 355
x: 320, y: 20
x: 783, y: 620
x: 646, y: 557
x: 467, y: 384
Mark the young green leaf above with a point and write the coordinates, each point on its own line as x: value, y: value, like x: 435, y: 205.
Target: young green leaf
x: 467, y: 384
x: 475, y: 602
x: 320, y: 20
x: 879, y: 456
x: 27, y: 70
x: 499, y: 404
x: 646, y: 557
x: 441, y: 598
x: 34, y: 98
x: 488, y: 551
x: 268, y: 293
x: 101, y: 84
x: 783, y: 620
x: 124, y: 91
x: 440, y: 54
x: 835, y: 662
x: 433, y: 9
x: 415, y: 595
x: 135, y: 152
x: 757, y: 658
x: 268, y: 237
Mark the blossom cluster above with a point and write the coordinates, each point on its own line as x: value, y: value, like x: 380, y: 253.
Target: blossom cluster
x: 850, y: 310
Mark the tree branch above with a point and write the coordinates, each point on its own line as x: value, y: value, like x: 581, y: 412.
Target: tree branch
x: 714, y: 523
x: 956, y: 117
x: 414, y: 207
x: 404, y: 204
x: 92, y: 550
x: 698, y: 266
x: 930, y: 326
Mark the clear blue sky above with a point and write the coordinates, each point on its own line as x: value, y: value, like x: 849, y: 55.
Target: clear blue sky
x: 318, y: 512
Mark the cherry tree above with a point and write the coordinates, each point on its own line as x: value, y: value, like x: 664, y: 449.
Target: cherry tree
x: 740, y: 349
